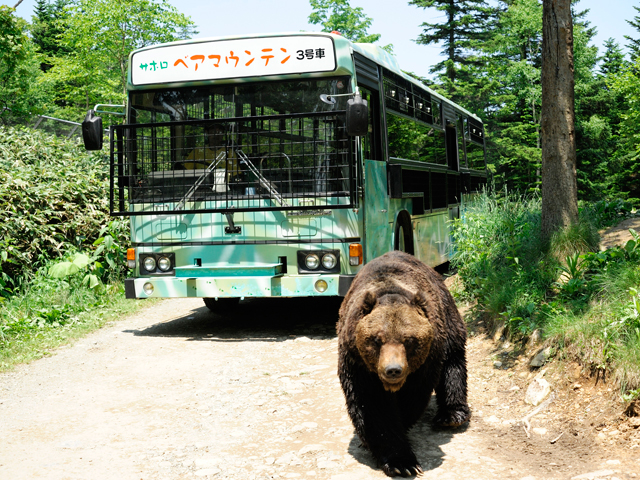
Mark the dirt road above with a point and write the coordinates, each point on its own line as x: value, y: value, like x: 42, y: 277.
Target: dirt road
x: 176, y: 392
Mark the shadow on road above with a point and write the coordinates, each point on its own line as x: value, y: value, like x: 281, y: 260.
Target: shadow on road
x: 268, y: 319
x: 425, y: 441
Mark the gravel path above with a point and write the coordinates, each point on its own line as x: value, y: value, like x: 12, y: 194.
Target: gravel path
x: 176, y: 392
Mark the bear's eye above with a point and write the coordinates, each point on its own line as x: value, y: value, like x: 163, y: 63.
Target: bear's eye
x: 410, y: 344
x: 374, y: 341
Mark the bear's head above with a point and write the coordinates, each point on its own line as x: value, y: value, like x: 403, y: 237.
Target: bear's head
x: 394, y: 336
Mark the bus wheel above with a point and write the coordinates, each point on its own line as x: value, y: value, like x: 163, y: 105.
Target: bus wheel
x: 403, y: 236
x: 222, y: 305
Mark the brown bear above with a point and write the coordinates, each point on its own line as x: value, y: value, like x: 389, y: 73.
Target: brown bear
x: 400, y: 337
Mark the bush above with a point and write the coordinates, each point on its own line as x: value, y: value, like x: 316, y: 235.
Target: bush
x: 584, y: 300
x: 53, y: 200
x: 499, y: 257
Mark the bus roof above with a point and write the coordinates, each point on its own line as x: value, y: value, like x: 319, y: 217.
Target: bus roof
x: 235, y: 59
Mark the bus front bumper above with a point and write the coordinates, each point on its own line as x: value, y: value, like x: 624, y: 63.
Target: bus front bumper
x: 238, y: 287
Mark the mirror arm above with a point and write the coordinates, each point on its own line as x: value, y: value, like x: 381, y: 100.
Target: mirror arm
x: 99, y: 109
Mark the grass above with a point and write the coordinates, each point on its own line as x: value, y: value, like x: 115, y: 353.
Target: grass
x: 61, y: 256
x: 584, y: 301
x: 49, y: 313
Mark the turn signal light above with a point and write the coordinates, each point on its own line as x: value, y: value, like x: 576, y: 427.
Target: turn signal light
x: 131, y: 257
x: 355, y: 254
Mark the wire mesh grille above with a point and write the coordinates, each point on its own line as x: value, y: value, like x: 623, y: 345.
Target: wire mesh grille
x: 240, y: 164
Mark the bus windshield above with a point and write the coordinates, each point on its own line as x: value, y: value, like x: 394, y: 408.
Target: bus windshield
x: 227, y: 101
x: 270, y: 142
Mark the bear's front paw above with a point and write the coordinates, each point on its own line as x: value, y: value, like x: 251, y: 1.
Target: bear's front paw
x: 453, y: 417
x: 402, y: 466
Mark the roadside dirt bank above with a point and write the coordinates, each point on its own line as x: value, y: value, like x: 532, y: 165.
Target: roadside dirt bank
x: 175, y: 392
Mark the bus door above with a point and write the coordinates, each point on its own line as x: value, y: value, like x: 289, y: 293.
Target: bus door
x: 377, y: 229
x: 451, y: 135
x: 455, y: 157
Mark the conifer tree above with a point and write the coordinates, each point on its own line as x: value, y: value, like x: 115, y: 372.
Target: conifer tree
x: 339, y: 16
x: 47, y: 28
x: 613, y: 58
x: 467, y: 24
x: 634, y: 43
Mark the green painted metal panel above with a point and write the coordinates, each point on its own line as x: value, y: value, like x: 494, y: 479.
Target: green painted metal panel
x: 378, y: 229
x: 432, y: 239
x: 226, y: 270
x: 234, y: 287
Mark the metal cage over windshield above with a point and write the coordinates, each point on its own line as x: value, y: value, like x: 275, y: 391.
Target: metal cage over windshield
x: 301, y: 161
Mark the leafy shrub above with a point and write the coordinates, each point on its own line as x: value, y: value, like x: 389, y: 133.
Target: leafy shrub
x: 53, y: 199
x: 498, y: 254
x: 584, y: 300
x: 610, y: 212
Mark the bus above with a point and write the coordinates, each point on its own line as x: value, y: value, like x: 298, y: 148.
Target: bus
x: 277, y: 165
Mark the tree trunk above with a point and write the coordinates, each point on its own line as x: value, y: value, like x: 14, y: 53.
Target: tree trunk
x: 559, y: 185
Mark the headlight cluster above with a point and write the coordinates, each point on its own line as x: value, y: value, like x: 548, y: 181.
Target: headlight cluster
x: 318, y: 261
x: 157, y: 263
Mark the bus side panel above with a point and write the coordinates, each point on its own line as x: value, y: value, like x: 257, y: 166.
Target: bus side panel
x: 432, y: 240
x: 378, y: 230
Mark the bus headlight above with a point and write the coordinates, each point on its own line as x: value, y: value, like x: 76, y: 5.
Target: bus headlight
x: 312, y: 261
x: 329, y: 261
x: 318, y: 261
x: 149, y: 264
x: 160, y: 263
x: 164, y: 264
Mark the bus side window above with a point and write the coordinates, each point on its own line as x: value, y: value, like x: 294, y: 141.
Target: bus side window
x: 370, y: 141
x: 462, y: 123
x: 452, y: 145
x: 475, y: 156
x: 474, y: 142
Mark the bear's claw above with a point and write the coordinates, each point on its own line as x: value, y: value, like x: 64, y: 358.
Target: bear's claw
x: 453, y: 418
x: 414, y: 470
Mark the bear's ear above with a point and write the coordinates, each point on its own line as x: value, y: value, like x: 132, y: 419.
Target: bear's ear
x: 420, y: 301
x: 368, y: 302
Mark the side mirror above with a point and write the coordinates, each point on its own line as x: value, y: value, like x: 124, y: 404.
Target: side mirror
x: 357, y: 116
x: 92, y: 131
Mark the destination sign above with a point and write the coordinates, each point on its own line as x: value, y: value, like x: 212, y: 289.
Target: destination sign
x: 249, y: 57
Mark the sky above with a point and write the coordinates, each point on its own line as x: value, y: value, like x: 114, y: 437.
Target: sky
x: 396, y: 20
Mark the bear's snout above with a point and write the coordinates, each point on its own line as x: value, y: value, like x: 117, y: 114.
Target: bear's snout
x: 393, y: 371
x: 392, y: 366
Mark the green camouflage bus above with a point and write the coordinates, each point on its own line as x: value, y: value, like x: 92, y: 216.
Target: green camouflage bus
x: 277, y: 165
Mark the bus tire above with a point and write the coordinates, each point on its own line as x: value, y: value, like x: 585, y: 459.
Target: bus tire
x: 403, y: 238
x: 222, y: 305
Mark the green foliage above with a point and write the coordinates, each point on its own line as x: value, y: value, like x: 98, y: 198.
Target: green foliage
x: 88, y: 45
x: 627, y: 84
x: 106, y: 264
x: 466, y: 24
x: 20, y: 93
x: 48, y: 312
x: 585, y: 299
x: 512, y: 53
x: 61, y: 260
x: 634, y: 43
x: 498, y: 256
x: 53, y: 198
x: 339, y: 16
x: 48, y: 27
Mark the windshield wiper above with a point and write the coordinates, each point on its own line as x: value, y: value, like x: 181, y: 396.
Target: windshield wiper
x: 262, y: 181
x: 221, y: 156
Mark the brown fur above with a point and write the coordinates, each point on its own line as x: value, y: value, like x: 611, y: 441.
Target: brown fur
x: 385, y: 336
x: 400, y: 337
